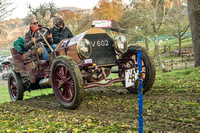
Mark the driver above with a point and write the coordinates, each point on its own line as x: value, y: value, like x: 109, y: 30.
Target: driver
x: 40, y: 42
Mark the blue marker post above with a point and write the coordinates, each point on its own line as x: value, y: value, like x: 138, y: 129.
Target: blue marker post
x: 140, y: 92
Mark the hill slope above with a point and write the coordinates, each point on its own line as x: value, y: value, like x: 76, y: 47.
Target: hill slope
x: 171, y: 105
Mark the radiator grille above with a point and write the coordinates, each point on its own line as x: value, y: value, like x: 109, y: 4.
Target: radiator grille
x: 102, y: 49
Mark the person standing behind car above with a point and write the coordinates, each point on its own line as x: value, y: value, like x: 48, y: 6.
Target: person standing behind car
x: 29, y: 44
x: 60, y: 31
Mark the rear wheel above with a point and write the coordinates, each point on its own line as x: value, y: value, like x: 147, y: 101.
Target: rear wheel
x: 148, y: 68
x: 15, y: 86
x: 67, y: 82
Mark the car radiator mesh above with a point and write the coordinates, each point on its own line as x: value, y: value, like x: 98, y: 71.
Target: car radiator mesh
x: 103, y: 53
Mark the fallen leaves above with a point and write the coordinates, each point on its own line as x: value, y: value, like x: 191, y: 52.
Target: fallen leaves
x: 171, y: 105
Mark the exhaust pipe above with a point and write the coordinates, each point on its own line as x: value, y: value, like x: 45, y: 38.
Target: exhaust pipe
x: 45, y: 83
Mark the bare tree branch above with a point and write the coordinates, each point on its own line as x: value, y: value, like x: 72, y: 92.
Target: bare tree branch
x: 44, y: 12
x: 5, y: 11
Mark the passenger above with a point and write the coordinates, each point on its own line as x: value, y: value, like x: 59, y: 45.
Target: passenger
x: 60, y: 31
x: 19, y: 45
x: 29, y: 39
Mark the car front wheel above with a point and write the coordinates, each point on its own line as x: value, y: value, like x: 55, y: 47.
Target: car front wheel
x: 148, y: 68
x: 67, y: 82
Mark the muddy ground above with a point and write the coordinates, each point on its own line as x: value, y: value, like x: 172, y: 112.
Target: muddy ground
x: 165, y: 108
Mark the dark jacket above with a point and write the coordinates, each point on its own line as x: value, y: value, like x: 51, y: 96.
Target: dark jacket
x: 59, y: 35
x: 19, y: 45
x: 28, y: 39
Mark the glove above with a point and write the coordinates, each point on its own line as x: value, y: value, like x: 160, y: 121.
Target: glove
x: 39, y: 39
x: 21, y: 52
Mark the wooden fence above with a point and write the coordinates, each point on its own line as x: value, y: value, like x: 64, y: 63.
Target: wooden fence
x: 186, y: 61
x: 174, y: 50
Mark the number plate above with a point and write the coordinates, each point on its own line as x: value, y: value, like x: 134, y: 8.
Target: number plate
x: 131, y: 75
x: 88, y: 61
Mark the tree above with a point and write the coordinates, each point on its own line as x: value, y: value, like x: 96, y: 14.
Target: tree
x: 136, y: 24
x: 107, y: 9
x: 194, y: 18
x: 76, y: 19
x: 44, y: 12
x: 154, y: 12
x: 83, y: 25
x: 67, y: 15
x: 3, y: 38
x: 4, y: 9
x: 178, y: 23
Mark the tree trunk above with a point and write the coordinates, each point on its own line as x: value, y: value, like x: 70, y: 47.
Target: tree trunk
x: 160, y: 63
x: 180, y: 51
x: 194, y: 18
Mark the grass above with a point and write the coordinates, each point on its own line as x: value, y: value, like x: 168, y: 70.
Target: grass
x: 172, y: 105
x: 167, y: 58
x: 172, y: 43
x: 175, y: 42
x: 180, y: 79
x: 4, y: 97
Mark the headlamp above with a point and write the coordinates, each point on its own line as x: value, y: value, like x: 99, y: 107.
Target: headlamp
x: 121, y: 45
x: 84, y: 48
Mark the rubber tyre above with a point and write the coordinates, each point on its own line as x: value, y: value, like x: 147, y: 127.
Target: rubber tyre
x: 149, y: 79
x: 15, y: 86
x: 67, y: 82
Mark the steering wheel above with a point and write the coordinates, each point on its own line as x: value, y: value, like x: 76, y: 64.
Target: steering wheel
x: 42, y: 34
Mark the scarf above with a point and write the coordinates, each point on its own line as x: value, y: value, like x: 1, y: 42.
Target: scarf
x: 57, y: 28
x: 34, y: 29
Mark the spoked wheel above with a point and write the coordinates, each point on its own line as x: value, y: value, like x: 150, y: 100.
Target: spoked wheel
x: 148, y: 68
x: 15, y: 86
x: 67, y: 82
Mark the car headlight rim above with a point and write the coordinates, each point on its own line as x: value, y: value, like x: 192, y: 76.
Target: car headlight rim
x: 118, y: 44
x: 81, y: 48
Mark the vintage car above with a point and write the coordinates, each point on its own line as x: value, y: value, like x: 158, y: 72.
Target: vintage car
x: 77, y: 63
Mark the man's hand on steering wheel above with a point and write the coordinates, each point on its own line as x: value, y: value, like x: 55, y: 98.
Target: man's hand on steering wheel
x: 47, y: 33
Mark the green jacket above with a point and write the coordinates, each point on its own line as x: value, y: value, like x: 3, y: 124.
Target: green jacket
x: 19, y: 45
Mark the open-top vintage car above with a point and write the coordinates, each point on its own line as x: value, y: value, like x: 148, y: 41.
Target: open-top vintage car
x: 80, y: 62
